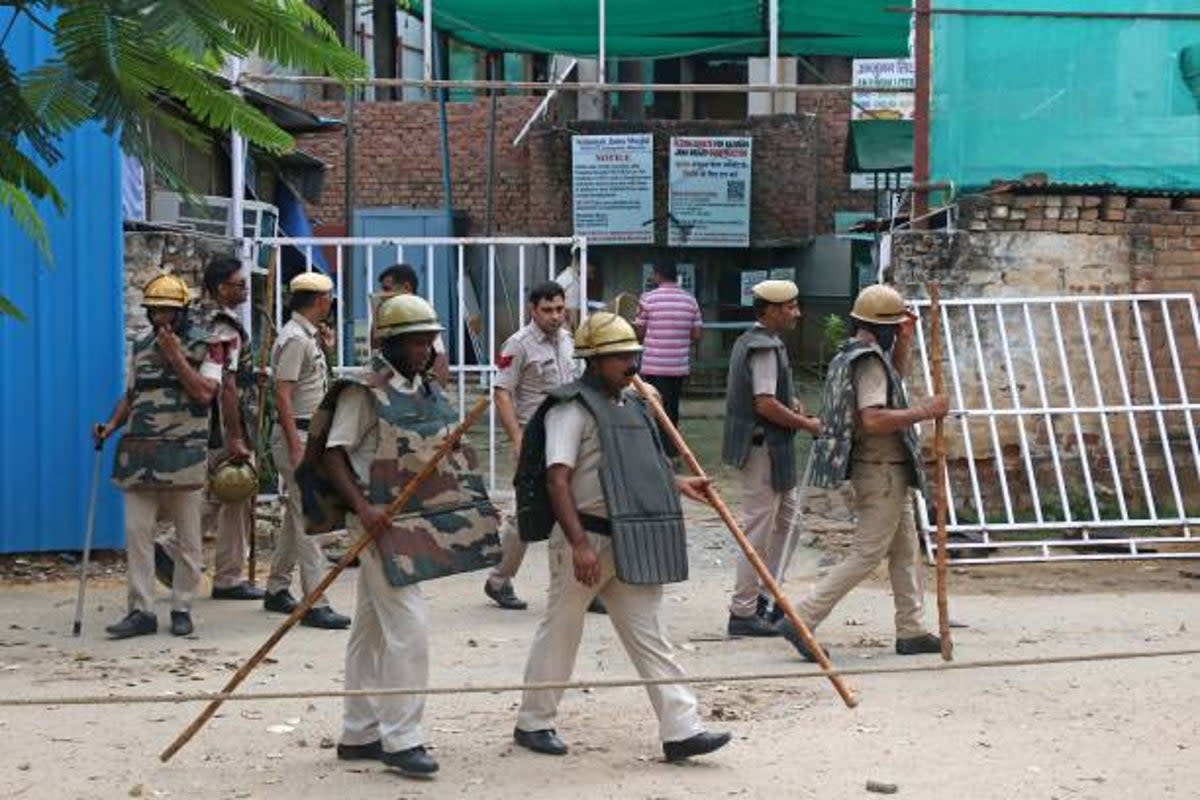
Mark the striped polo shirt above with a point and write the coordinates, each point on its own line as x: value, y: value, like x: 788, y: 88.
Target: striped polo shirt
x: 668, y: 314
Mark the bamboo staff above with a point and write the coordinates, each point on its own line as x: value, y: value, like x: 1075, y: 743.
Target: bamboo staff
x: 311, y: 598
x: 939, y: 493
x: 260, y: 425
x: 764, y: 574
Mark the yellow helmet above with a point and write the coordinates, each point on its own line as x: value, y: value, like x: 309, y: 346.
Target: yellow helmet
x: 604, y: 333
x: 233, y: 483
x: 879, y: 304
x: 406, y: 313
x: 165, y: 291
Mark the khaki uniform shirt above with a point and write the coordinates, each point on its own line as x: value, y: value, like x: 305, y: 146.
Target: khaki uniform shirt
x: 298, y: 357
x: 531, y: 363
x: 572, y: 439
x: 871, y: 390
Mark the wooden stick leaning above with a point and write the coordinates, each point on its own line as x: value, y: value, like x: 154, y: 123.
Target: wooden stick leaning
x: 260, y: 433
x: 939, y: 492
x: 764, y: 574
x: 451, y: 441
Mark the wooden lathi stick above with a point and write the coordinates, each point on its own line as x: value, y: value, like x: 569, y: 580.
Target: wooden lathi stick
x: 311, y: 598
x: 764, y: 574
x: 939, y: 492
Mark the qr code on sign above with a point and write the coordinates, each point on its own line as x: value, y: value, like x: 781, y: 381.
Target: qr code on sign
x: 735, y: 191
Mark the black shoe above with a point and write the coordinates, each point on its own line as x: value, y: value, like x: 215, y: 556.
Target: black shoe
x: 136, y: 623
x: 749, y: 626
x: 243, y: 591
x: 414, y: 762
x: 916, y: 645
x: 597, y: 606
x: 181, y: 623
x: 788, y: 632
x: 280, y: 602
x: 372, y: 751
x: 696, y: 745
x: 544, y: 741
x: 325, y: 617
x: 164, y: 566
x: 504, y: 596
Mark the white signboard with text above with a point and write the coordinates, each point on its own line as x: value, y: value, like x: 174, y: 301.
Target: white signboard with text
x: 709, y: 192
x: 890, y: 72
x: 612, y: 188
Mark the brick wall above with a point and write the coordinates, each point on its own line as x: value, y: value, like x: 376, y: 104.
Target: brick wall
x: 798, y: 180
x: 1028, y: 245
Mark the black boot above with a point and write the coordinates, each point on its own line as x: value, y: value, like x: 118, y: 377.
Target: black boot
x: 544, y: 741
x: 136, y: 623
x: 749, y: 626
x: 414, y: 762
x: 326, y: 618
x: 788, y: 632
x: 916, y: 645
x: 504, y: 596
x: 696, y: 745
x: 181, y: 623
x: 280, y: 602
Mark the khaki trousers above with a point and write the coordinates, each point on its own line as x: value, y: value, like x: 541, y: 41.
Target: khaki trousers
x: 233, y: 537
x: 885, y: 530
x: 292, y: 545
x: 633, y: 611
x: 767, y: 517
x: 388, y: 648
x: 142, y: 510
x: 512, y: 552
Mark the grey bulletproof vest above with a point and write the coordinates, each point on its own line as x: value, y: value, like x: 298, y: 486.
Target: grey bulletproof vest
x: 649, y: 538
x: 740, y: 419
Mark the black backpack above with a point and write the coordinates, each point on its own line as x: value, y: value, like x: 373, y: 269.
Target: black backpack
x: 535, y: 517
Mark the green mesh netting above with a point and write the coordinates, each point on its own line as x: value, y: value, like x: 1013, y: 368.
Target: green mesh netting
x: 671, y: 28
x: 1082, y: 100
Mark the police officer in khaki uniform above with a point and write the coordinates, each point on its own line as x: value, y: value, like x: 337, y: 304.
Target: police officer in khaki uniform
x: 761, y: 420
x: 535, y: 359
x: 868, y: 436
x: 301, y: 378
x: 225, y: 289
x: 389, y: 643
x: 161, y: 462
x: 602, y: 456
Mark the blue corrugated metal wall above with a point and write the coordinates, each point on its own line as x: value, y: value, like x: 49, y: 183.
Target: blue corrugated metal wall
x: 61, y: 370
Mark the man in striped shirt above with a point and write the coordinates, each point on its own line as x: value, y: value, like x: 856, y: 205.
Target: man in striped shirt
x: 668, y: 322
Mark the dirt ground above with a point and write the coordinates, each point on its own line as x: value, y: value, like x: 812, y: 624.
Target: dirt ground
x: 1097, y: 730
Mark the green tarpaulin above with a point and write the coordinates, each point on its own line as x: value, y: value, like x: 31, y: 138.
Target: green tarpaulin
x: 672, y: 28
x: 880, y: 145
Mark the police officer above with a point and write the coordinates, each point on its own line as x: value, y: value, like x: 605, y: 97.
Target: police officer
x: 379, y: 432
x: 761, y: 420
x: 535, y: 359
x: 301, y: 378
x: 225, y: 289
x: 161, y: 464
x: 868, y: 436
x: 616, y: 530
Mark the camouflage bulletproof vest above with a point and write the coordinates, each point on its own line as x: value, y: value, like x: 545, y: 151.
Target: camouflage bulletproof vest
x: 649, y: 539
x: 450, y: 524
x: 832, y: 450
x: 740, y: 420
x: 246, y: 384
x: 165, y: 445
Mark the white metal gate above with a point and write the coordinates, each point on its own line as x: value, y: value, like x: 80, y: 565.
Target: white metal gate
x: 1073, y: 428
x: 360, y: 258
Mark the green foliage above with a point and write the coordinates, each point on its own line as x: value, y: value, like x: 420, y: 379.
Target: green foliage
x: 131, y: 64
x: 836, y: 331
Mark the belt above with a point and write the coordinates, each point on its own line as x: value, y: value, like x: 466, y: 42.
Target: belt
x: 302, y: 424
x: 757, y: 439
x: 597, y: 525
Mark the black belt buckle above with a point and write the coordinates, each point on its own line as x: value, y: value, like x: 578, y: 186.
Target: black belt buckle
x: 597, y: 525
x: 302, y: 424
x: 758, y: 439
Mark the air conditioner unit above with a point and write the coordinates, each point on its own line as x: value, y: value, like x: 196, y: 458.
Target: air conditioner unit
x: 210, y: 214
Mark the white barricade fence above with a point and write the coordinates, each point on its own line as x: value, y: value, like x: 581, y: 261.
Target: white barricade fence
x: 480, y: 283
x: 1072, y: 432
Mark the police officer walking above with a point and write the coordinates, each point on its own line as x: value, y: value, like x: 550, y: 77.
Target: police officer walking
x: 868, y: 436
x: 594, y: 477
x: 761, y: 420
x: 535, y: 359
x: 162, y: 460
x: 379, y: 430
x: 301, y: 378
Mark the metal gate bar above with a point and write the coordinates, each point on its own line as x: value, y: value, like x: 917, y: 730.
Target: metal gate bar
x: 1037, y: 460
x: 455, y: 275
